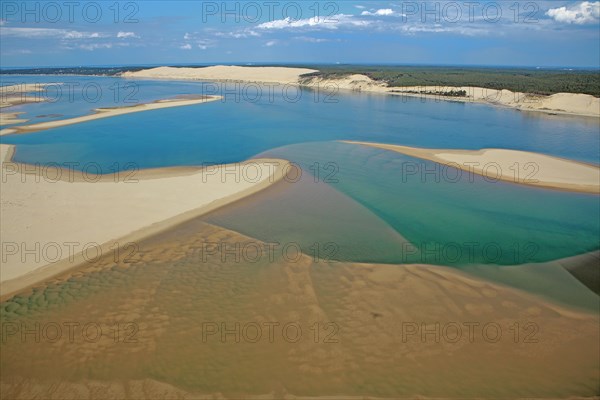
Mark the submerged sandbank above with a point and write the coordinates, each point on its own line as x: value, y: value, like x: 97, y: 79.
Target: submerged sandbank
x: 16, y: 95
x: 382, y: 331
x: 520, y: 167
x: 59, y: 218
x: 100, y: 113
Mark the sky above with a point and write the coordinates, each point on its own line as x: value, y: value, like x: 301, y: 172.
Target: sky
x: 160, y: 32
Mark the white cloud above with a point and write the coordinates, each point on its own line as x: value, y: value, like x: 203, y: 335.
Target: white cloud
x: 381, y: 12
x: 271, y: 43
x: 204, y: 44
x: 238, y: 34
x: 311, y: 39
x: 360, y: 7
x: 42, y: 33
x: 332, y: 22
x: 437, y: 28
x: 194, y: 40
x: 127, y: 35
x: 583, y: 13
x: 95, y: 46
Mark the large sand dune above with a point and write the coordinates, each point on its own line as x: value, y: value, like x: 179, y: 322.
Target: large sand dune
x: 225, y: 73
x: 560, y: 103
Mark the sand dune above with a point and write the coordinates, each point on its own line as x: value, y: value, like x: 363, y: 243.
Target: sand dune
x: 513, y: 166
x: 100, y: 113
x: 43, y: 213
x: 560, y: 103
x: 225, y: 73
x: 355, y: 82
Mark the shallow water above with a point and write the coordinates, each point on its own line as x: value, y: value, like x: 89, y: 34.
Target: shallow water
x: 449, y: 217
x: 352, y: 204
x: 244, y: 124
x: 160, y: 315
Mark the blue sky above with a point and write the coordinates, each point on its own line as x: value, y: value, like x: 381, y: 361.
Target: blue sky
x: 79, y: 33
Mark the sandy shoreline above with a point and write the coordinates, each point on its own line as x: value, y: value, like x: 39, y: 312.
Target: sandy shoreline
x: 519, y: 167
x: 560, y: 103
x: 58, y: 219
x: 100, y: 113
x: 16, y: 95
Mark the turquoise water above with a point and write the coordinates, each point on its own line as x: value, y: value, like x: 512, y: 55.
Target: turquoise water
x: 370, y: 211
x: 237, y: 128
x: 448, y: 220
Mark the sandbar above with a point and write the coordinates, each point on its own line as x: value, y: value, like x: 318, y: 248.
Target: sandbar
x: 16, y: 95
x: 514, y: 166
x: 100, y: 113
x: 46, y: 214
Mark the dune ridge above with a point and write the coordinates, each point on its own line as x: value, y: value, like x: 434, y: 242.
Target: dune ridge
x: 280, y: 75
x: 560, y: 103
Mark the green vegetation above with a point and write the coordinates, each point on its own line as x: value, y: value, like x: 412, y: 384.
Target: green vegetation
x: 97, y: 71
x: 446, y: 93
x: 537, y: 81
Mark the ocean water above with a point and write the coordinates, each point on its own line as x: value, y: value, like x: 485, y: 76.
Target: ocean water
x: 379, y: 208
x: 350, y: 204
x: 431, y: 216
x: 248, y: 122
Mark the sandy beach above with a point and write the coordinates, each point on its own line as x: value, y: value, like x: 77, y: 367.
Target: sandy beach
x: 560, y: 103
x: 520, y: 167
x: 46, y: 214
x: 100, y: 113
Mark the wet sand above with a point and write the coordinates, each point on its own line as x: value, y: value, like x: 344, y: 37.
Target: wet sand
x: 364, y: 330
x: 16, y: 95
